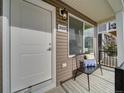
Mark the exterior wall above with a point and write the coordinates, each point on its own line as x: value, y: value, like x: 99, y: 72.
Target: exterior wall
x: 62, y: 53
x: 6, y: 54
x: 62, y: 42
x: 6, y: 46
x: 120, y: 37
x: 1, y: 5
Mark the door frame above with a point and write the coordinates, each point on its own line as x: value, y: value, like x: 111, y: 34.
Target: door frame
x: 7, y: 43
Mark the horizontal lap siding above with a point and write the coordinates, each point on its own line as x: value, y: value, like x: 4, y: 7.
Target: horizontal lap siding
x: 62, y: 52
x: 62, y: 57
x: 62, y: 43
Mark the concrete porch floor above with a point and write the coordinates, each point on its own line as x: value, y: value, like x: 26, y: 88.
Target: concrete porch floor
x: 98, y: 83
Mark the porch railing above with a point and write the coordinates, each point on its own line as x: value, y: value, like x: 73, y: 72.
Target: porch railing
x: 108, y: 58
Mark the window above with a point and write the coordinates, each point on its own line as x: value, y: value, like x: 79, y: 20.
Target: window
x: 88, y: 36
x: 81, y: 36
x: 75, y: 36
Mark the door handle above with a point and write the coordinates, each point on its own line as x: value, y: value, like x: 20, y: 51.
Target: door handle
x: 49, y: 49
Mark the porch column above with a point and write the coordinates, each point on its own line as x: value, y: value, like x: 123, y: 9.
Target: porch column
x: 6, y: 46
x: 120, y: 37
x: 1, y: 16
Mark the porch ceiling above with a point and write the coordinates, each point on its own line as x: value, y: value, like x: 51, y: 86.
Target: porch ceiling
x: 97, y: 10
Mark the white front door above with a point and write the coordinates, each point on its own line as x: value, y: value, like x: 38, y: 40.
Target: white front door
x: 31, y: 44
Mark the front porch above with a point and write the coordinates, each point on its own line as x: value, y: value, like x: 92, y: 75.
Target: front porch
x: 98, y: 83
x: 41, y: 37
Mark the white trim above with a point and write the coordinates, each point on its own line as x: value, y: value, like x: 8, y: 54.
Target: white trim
x: 84, y: 22
x: 44, y: 4
x: 6, y: 44
x: 68, y: 36
x: 5, y: 50
x: 83, y: 36
x: 80, y: 19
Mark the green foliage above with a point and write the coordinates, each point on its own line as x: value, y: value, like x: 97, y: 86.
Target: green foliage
x: 110, y: 49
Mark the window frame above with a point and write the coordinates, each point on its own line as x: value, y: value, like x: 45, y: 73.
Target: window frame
x: 84, y: 22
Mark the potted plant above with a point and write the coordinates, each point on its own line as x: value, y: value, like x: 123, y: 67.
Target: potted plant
x: 110, y: 49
